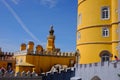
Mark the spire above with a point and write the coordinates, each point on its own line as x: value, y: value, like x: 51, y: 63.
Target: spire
x: 51, y: 32
x: 51, y: 40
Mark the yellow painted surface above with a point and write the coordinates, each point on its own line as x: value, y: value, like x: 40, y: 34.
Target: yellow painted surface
x: 30, y: 47
x: 91, y: 12
x: 91, y: 41
x: 20, y: 58
x: 50, y: 43
x: 23, y: 47
x: 39, y: 48
x: 92, y: 52
x: 24, y: 68
x: 4, y: 63
x: 93, y: 35
x: 45, y: 63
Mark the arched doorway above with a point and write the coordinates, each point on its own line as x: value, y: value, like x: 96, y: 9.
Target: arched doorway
x: 95, y: 78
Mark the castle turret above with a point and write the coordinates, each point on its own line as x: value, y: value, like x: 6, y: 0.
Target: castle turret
x: 30, y: 47
x: 97, y: 30
x: 39, y: 49
x: 50, y: 40
x: 23, y: 47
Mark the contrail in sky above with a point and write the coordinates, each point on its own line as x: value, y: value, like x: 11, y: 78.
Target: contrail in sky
x: 19, y: 20
x: 15, y: 1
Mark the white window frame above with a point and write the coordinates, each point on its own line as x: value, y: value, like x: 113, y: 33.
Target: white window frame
x: 105, y: 33
x: 106, y: 13
x: 106, y: 58
x: 79, y: 19
x: 78, y: 35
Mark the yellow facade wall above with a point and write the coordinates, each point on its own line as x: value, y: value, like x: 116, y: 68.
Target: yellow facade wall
x: 91, y: 41
x: 4, y: 63
x: 93, y: 35
x: 45, y: 63
x: 24, y: 68
x: 91, y: 12
x: 92, y: 52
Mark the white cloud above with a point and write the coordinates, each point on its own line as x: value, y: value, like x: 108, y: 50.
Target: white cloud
x: 49, y: 3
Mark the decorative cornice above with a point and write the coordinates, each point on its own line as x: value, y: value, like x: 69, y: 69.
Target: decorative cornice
x: 81, y: 2
x: 114, y: 23
x: 100, y: 42
x: 93, y: 26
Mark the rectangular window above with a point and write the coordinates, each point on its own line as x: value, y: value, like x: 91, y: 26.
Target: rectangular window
x: 78, y: 35
x: 105, y: 32
x: 79, y: 19
x: 105, y: 13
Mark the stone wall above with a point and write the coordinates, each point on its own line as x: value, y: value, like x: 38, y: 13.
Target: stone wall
x: 19, y: 76
x: 103, y: 71
x: 62, y: 74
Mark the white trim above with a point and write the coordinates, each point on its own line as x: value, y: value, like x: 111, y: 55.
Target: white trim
x: 78, y: 35
x: 106, y: 32
x: 108, y: 12
x: 79, y: 19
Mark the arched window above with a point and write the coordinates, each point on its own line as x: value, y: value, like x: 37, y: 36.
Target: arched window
x: 105, y: 13
x: 105, y: 56
x: 105, y: 32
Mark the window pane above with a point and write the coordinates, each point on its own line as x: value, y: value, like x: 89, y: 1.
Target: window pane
x: 105, y: 13
x: 105, y: 32
x: 79, y: 19
x: 105, y: 57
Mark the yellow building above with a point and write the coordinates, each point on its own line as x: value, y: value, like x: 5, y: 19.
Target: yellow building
x: 7, y: 60
x: 40, y: 59
x: 97, y: 30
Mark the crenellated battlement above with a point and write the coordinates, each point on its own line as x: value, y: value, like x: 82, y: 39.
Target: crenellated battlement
x: 62, y: 74
x: 66, y: 74
x: 20, y: 76
x: 44, y: 53
x: 100, y: 69
x: 6, y: 55
x: 40, y: 51
x: 113, y: 64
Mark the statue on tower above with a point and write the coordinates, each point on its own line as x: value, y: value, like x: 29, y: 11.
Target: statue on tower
x: 51, y: 30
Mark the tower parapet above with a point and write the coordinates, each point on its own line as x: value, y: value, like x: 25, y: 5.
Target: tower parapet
x: 30, y: 47
x: 6, y: 55
x: 41, y: 52
x: 100, y: 70
x: 39, y: 49
x: 23, y: 47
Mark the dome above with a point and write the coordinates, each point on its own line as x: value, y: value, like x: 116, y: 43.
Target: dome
x: 31, y: 43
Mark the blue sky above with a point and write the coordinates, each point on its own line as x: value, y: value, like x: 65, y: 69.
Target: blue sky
x: 22, y: 21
